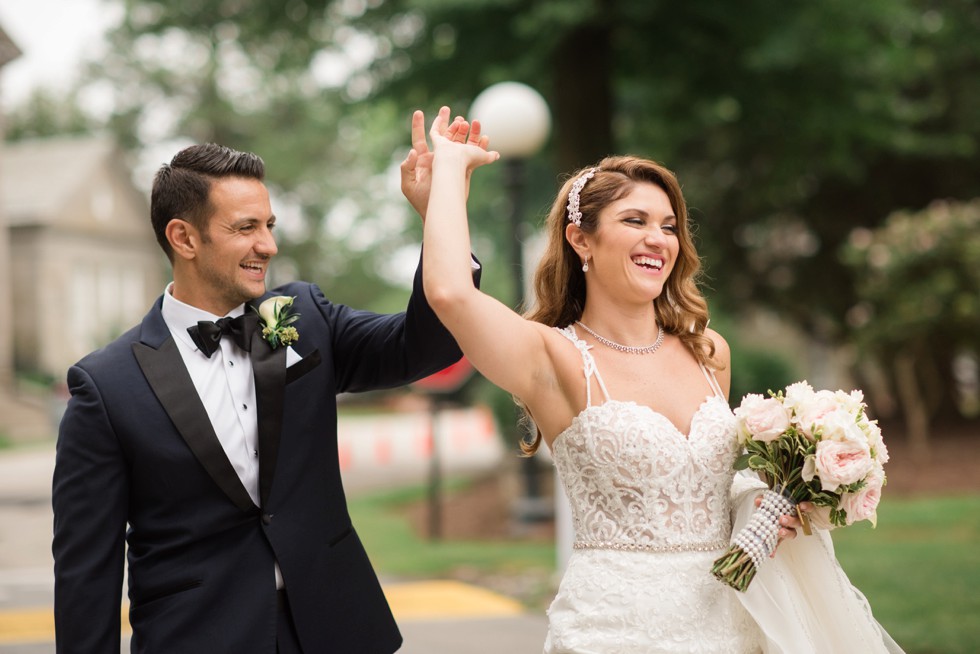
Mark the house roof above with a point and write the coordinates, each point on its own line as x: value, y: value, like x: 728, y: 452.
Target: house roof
x: 39, y: 176
x: 8, y: 49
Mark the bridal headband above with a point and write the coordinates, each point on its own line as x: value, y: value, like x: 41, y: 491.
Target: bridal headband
x: 574, y: 215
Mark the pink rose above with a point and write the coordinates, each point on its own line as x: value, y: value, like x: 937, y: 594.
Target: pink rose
x: 863, y: 505
x: 761, y: 418
x: 840, y: 463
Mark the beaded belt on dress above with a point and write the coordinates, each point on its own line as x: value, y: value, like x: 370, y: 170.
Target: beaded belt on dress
x: 649, y: 547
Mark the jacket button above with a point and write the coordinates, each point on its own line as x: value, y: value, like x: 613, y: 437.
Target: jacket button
x: 266, y: 518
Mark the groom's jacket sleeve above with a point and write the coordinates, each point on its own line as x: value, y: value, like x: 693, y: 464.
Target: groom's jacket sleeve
x: 89, y: 498
x: 375, y: 351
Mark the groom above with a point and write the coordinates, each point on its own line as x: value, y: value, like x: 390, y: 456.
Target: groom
x: 212, y: 433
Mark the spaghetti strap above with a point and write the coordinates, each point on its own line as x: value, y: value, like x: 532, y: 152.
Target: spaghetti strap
x: 589, y: 368
x: 712, y: 380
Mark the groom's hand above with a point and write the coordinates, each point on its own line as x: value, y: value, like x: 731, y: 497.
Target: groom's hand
x: 416, y: 169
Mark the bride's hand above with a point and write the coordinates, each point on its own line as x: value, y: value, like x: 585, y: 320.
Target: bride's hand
x: 462, y: 138
x: 416, y: 169
x: 789, y: 522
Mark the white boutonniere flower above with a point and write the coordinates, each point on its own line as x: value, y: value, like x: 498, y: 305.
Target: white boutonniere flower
x: 277, y: 320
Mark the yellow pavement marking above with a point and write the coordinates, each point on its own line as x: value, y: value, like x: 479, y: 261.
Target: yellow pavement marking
x: 26, y: 626
x: 440, y: 600
x: 415, y: 601
x: 37, y: 625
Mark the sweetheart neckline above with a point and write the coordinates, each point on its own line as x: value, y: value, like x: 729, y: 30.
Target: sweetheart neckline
x: 652, y: 411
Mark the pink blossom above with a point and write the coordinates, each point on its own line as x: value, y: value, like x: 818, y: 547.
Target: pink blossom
x: 761, y: 418
x: 863, y: 505
x: 840, y: 463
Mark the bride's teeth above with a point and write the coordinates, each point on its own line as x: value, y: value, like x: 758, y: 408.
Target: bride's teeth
x: 646, y: 261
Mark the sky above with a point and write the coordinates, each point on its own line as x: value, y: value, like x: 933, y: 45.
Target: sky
x: 55, y: 37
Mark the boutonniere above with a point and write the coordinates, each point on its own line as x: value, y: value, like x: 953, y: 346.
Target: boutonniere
x: 276, y: 320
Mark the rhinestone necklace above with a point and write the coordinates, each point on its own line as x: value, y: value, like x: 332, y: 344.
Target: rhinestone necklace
x: 629, y: 349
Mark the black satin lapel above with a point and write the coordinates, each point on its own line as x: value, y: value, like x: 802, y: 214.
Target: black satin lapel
x: 170, y: 381
x: 269, y: 368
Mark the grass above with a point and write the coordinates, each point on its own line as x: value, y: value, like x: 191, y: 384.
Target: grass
x: 396, y: 550
x: 920, y: 569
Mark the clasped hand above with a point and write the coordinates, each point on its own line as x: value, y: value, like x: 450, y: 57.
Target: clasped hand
x: 416, y: 169
x: 789, y: 522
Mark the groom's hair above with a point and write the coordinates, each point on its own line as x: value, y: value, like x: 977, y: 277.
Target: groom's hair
x: 181, y: 189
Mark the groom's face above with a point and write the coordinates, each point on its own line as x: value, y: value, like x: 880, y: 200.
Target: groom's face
x: 234, y: 255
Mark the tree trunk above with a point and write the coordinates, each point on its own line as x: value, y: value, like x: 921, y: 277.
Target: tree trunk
x: 583, y: 97
x: 913, y: 404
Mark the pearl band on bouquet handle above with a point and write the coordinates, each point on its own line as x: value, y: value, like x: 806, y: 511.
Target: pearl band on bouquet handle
x: 759, y: 538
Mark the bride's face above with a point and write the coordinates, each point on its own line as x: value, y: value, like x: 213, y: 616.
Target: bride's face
x: 635, y: 247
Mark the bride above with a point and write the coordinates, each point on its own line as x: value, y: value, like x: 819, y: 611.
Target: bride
x: 628, y: 388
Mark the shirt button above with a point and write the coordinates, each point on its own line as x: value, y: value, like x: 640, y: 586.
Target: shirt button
x: 231, y: 363
x: 244, y: 407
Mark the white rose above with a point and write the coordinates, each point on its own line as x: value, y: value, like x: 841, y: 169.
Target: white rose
x: 876, y: 442
x: 810, y: 411
x: 839, y: 425
x: 852, y: 402
x: 797, y: 394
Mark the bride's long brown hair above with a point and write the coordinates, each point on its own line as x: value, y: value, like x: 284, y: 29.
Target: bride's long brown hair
x: 559, y: 283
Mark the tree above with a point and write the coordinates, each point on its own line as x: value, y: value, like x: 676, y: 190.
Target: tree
x: 789, y: 124
x: 919, y: 305
x: 246, y: 74
x: 48, y: 114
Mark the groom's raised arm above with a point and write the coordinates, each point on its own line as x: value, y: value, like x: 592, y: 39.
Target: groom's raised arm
x: 375, y: 351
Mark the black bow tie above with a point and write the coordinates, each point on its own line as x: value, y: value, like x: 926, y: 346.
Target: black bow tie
x: 207, y: 335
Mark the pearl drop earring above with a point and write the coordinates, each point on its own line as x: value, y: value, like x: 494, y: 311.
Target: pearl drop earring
x: 585, y: 264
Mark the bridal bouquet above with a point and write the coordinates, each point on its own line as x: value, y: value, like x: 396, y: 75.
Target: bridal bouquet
x: 816, y: 446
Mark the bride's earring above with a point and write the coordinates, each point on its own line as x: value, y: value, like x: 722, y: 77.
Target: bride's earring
x: 585, y: 264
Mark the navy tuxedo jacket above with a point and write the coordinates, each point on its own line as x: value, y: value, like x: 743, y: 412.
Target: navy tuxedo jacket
x: 136, y: 447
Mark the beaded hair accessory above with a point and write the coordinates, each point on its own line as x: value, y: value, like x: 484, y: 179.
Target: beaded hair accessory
x: 574, y: 215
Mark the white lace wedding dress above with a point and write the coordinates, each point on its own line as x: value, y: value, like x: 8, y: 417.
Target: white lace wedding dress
x: 652, y: 510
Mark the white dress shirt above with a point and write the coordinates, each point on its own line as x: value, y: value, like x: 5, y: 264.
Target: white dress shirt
x: 226, y: 386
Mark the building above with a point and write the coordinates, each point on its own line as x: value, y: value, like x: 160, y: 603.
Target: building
x: 84, y: 265
x: 8, y: 52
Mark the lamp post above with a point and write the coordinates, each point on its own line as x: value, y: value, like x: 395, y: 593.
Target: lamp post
x: 518, y: 121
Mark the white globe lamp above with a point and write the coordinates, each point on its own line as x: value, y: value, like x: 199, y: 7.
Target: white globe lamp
x: 516, y: 118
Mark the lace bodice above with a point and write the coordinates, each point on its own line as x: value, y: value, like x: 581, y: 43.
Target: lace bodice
x: 634, y: 481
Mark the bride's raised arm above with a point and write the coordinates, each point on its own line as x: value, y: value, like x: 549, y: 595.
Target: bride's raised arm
x: 503, y: 346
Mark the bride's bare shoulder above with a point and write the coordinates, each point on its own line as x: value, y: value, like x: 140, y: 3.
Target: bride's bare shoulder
x: 722, y: 351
